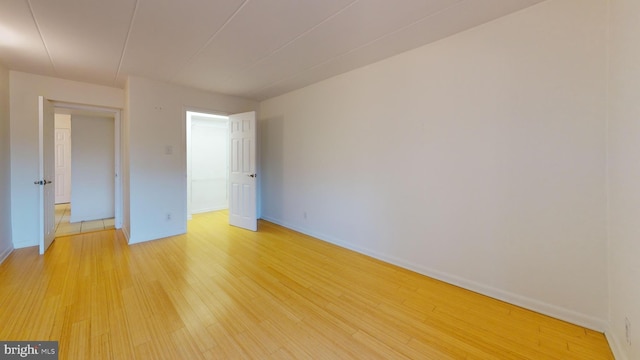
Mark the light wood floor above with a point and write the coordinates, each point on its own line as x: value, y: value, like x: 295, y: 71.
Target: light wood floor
x: 224, y: 293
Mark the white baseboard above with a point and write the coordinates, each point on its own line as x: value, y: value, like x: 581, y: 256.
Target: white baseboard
x: 615, y: 345
x: 561, y: 313
x: 125, y: 231
x: 21, y: 245
x: 5, y: 253
x: 136, y: 240
x: 215, y: 208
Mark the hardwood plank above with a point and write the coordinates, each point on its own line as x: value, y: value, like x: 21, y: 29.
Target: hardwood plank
x: 221, y: 292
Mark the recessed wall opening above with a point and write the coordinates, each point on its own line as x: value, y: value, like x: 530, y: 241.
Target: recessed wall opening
x: 207, y: 162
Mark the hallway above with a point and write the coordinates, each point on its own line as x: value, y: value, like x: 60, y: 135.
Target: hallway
x: 64, y: 227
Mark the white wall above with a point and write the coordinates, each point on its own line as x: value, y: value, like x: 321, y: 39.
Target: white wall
x: 155, y: 131
x: 478, y: 159
x: 25, y: 89
x: 209, y: 153
x: 6, y: 246
x: 624, y: 177
x: 92, y: 168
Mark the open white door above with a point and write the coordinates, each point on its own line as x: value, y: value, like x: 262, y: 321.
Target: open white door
x: 242, y: 171
x: 46, y: 172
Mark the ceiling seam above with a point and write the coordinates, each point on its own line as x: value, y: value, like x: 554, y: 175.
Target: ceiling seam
x: 305, y: 33
x: 210, y: 40
x: 255, y: 93
x: 126, y: 42
x: 44, y: 43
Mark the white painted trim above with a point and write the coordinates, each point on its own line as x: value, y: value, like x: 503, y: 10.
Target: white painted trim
x: 185, y: 133
x: 125, y: 232
x: 135, y: 241
x: 5, y: 254
x: 615, y: 345
x: 515, y: 299
x: 117, y: 132
x: 155, y: 237
x: 216, y: 208
x: 24, y: 244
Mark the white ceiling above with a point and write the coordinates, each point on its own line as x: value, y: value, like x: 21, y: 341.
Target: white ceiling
x: 251, y: 48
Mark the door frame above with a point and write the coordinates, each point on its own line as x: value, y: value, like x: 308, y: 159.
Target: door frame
x: 118, y: 201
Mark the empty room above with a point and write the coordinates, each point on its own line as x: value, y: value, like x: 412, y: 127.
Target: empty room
x: 415, y: 179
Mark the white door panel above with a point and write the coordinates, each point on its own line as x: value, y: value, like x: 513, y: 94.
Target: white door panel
x: 47, y: 172
x: 242, y: 174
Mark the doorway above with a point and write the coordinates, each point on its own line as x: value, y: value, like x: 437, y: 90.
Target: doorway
x: 207, y: 144
x: 86, y: 181
x: 240, y: 175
